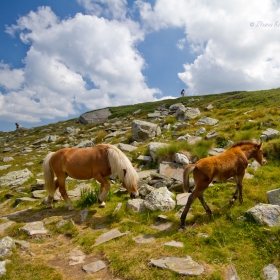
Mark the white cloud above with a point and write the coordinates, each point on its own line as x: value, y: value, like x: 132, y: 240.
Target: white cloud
x: 11, y: 79
x: 82, y: 61
x: 231, y: 54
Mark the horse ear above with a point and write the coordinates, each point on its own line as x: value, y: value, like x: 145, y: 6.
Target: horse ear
x: 124, y: 172
x: 260, y: 145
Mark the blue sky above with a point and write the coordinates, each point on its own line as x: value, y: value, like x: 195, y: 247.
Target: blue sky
x: 59, y: 59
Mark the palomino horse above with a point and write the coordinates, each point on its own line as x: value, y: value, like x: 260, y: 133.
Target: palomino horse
x: 231, y: 163
x: 98, y: 162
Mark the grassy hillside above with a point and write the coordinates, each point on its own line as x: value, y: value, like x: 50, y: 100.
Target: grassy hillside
x: 231, y: 238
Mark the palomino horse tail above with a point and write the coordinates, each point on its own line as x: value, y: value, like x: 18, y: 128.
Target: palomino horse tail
x: 49, y: 175
x: 188, y: 169
x: 122, y: 166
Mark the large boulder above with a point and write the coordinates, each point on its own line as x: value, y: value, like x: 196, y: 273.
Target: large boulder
x: 97, y: 116
x: 142, y: 131
x: 15, y: 178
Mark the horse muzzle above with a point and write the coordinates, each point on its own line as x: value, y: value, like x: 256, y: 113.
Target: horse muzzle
x: 134, y: 195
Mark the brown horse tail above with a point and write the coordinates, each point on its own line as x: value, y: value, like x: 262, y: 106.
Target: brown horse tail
x: 49, y: 175
x: 188, y: 169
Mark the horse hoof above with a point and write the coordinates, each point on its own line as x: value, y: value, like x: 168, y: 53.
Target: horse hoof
x: 102, y: 205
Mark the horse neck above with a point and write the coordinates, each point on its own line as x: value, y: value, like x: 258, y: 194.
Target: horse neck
x: 248, y: 151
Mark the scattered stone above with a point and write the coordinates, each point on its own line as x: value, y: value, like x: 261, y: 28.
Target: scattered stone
x: 269, y: 134
x: 141, y: 239
x: 96, y: 116
x: 115, y: 233
x: 273, y: 197
x: 118, y: 208
x: 206, y: 121
x: 94, y: 266
x: 136, y: 205
x: 174, y: 244
x: 183, y: 266
x: 15, y: 178
x: 162, y: 226
x: 35, y: 229
x: 160, y: 199
x: 76, y: 256
x: 181, y: 159
x: 153, y: 146
x: 172, y: 170
x: 126, y: 147
x: 266, y: 214
x: 3, y: 167
x: 142, y: 131
x: 6, y: 246
x: 182, y: 198
x: 270, y: 272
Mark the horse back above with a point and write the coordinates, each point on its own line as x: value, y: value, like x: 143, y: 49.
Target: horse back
x: 81, y: 163
x: 221, y: 167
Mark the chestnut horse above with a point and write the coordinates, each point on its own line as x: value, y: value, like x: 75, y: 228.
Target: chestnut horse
x: 231, y: 163
x: 98, y: 162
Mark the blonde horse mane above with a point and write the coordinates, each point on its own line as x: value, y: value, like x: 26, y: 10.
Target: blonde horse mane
x: 122, y: 166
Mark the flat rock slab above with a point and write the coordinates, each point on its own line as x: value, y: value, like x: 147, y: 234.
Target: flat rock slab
x: 76, y: 256
x: 35, y: 228
x: 162, y: 226
x: 115, y: 233
x: 182, y: 198
x: 174, y: 244
x: 141, y: 239
x: 184, y: 266
x: 94, y: 266
x: 172, y: 170
x: 126, y: 147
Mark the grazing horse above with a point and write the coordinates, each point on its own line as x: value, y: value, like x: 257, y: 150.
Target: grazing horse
x: 231, y: 163
x: 98, y: 162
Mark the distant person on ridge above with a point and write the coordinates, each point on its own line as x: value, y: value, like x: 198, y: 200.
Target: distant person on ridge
x: 18, y: 126
x: 183, y: 92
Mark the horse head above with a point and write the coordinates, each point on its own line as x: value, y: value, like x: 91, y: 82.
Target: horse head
x: 130, y: 184
x: 258, y: 155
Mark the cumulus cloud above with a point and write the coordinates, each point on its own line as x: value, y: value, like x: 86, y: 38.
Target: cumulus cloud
x: 236, y: 43
x: 85, y: 61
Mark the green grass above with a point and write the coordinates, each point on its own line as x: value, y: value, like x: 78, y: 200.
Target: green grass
x: 245, y: 244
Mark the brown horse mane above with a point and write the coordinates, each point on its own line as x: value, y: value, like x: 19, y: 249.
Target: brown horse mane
x: 243, y: 142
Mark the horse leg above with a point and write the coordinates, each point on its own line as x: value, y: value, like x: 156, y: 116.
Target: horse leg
x: 238, y: 192
x: 204, y: 204
x: 104, y: 189
x: 62, y: 190
x: 191, y: 199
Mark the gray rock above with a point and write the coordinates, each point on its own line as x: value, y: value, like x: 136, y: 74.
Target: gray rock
x: 182, y: 159
x: 143, y: 239
x: 85, y: 144
x: 126, y: 147
x: 97, y: 116
x: 153, y: 147
x: 6, y: 246
x: 162, y: 226
x: 270, y: 272
x: 142, y: 131
x: 94, y: 266
x: 191, y: 113
x: 115, y: 233
x: 136, y: 205
x: 160, y: 199
x: 15, y: 178
x: 76, y: 256
x: 182, y: 198
x: 3, y: 267
x: 184, y: 266
x: 174, y: 244
x: 200, y: 131
x: 34, y: 228
x: 266, y: 214
x: 3, y: 167
x: 206, y: 121
x: 211, y: 135
x: 7, y: 159
x: 172, y: 170
x: 273, y: 197
x: 71, y: 130
x: 269, y: 134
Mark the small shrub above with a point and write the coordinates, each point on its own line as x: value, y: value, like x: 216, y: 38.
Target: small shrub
x: 272, y: 149
x: 89, y: 197
x: 221, y: 141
